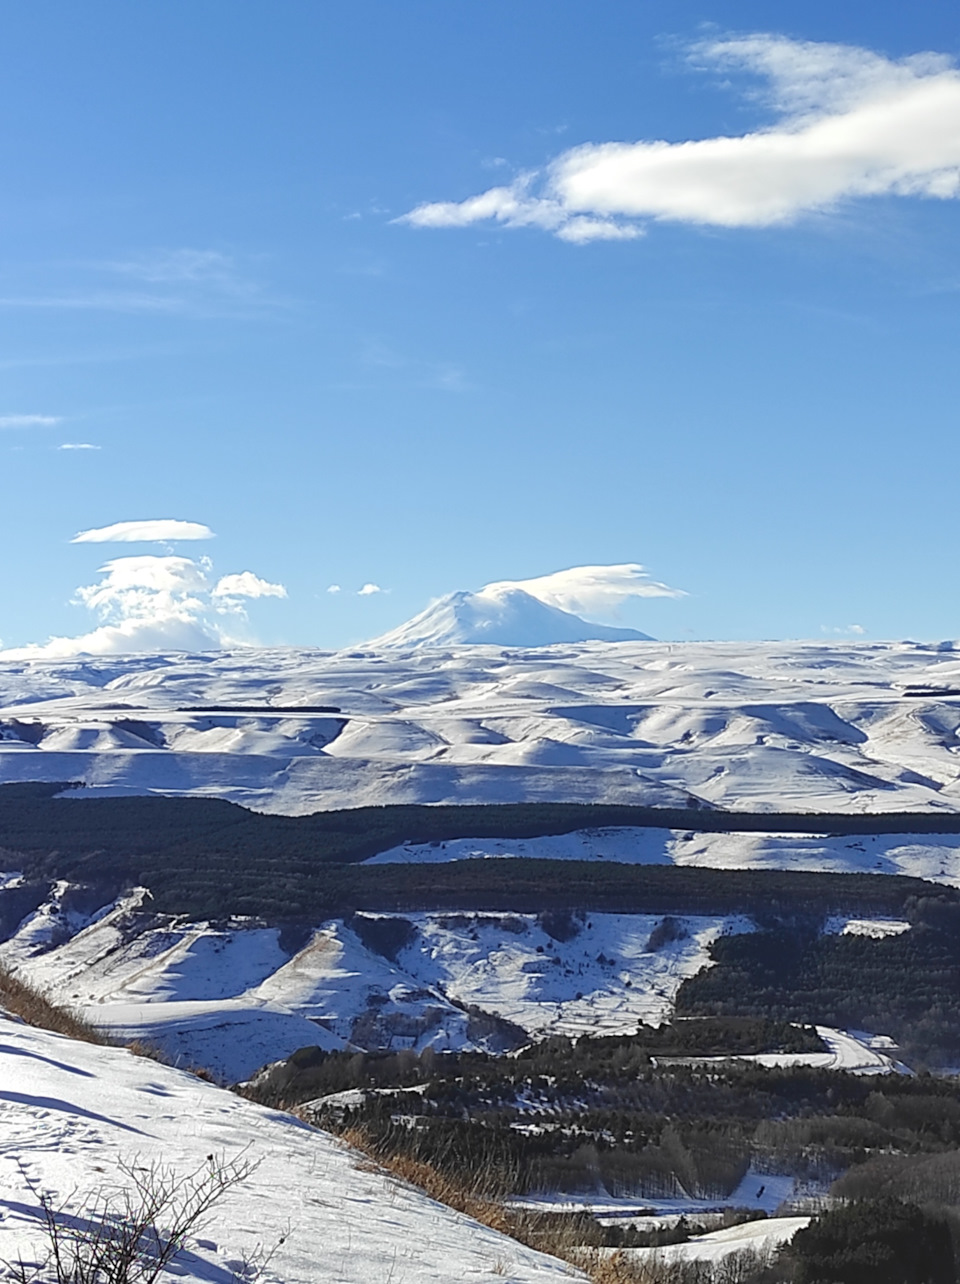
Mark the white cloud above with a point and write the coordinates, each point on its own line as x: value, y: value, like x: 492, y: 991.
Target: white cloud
x: 162, y: 529
x: 78, y: 445
x: 246, y: 584
x: 590, y: 590
x: 368, y: 590
x: 29, y: 421
x: 850, y: 123
x: 154, y: 603
x: 842, y: 630
x: 334, y: 588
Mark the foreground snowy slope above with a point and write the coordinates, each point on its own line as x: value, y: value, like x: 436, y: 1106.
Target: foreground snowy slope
x: 755, y: 726
x: 70, y: 1111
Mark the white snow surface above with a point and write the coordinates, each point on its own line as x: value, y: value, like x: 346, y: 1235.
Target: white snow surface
x: 69, y: 1111
x: 768, y: 1192
x: 231, y: 998
x: 932, y: 856
x: 838, y: 726
x: 761, y: 1237
x: 854, y: 1051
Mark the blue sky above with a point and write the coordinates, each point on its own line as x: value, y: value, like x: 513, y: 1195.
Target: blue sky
x: 237, y: 269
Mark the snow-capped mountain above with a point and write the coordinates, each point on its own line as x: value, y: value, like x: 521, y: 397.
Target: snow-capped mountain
x: 498, y: 615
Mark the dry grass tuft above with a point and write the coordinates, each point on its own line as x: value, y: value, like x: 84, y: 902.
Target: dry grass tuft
x: 33, y: 1007
x: 142, y: 1048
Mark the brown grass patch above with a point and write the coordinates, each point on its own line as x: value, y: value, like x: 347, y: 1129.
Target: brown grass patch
x: 33, y: 1007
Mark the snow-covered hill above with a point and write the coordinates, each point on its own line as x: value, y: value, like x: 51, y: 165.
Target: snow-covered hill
x: 231, y: 997
x: 755, y: 726
x: 498, y: 615
x: 69, y: 1112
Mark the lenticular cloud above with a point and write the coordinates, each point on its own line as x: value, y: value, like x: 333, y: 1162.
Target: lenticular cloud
x: 590, y: 590
x: 154, y: 603
x: 849, y: 123
x: 159, y: 530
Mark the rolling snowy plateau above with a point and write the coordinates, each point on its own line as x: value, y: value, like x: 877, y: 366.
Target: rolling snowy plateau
x: 833, y: 727
x: 71, y: 1112
x: 840, y: 728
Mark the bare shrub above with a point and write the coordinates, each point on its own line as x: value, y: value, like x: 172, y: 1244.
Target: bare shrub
x: 667, y: 931
x: 130, y: 1233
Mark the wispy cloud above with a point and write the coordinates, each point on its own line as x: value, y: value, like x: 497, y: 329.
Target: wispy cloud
x: 334, y: 588
x: 181, y: 281
x: 30, y: 421
x: 848, y: 123
x: 591, y: 590
x: 165, y: 266
x: 369, y: 590
x: 418, y: 372
x: 165, y: 530
x: 78, y: 445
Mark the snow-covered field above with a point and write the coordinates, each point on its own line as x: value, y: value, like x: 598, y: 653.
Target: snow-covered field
x: 70, y: 1111
x: 760, y: 1237
x: 766, y: 1192
x: 852, y: 1050
x: 233, y: 998
x: 846, y: 727
x: 932, y: 856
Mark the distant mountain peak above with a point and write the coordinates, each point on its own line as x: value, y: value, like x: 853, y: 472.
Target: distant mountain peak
x: 498, y: 616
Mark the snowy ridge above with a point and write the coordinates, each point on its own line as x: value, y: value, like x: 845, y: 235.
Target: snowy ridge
x: 841, y: 727
x: 69, y: 1111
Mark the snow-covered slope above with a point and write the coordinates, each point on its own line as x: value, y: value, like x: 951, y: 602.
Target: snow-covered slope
x: 70, y: 1111
x: 498, y: 616
x: 232, y: 997
x: 755, y: 726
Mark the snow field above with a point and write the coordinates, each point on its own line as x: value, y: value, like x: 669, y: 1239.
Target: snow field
x: 232, y: 997
x: 843, y: 727
x: 69, y: 1111
x: 931, y: 856
x: 768, y: 1192
x: 854, y: 1051
x: 761, y: 1237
